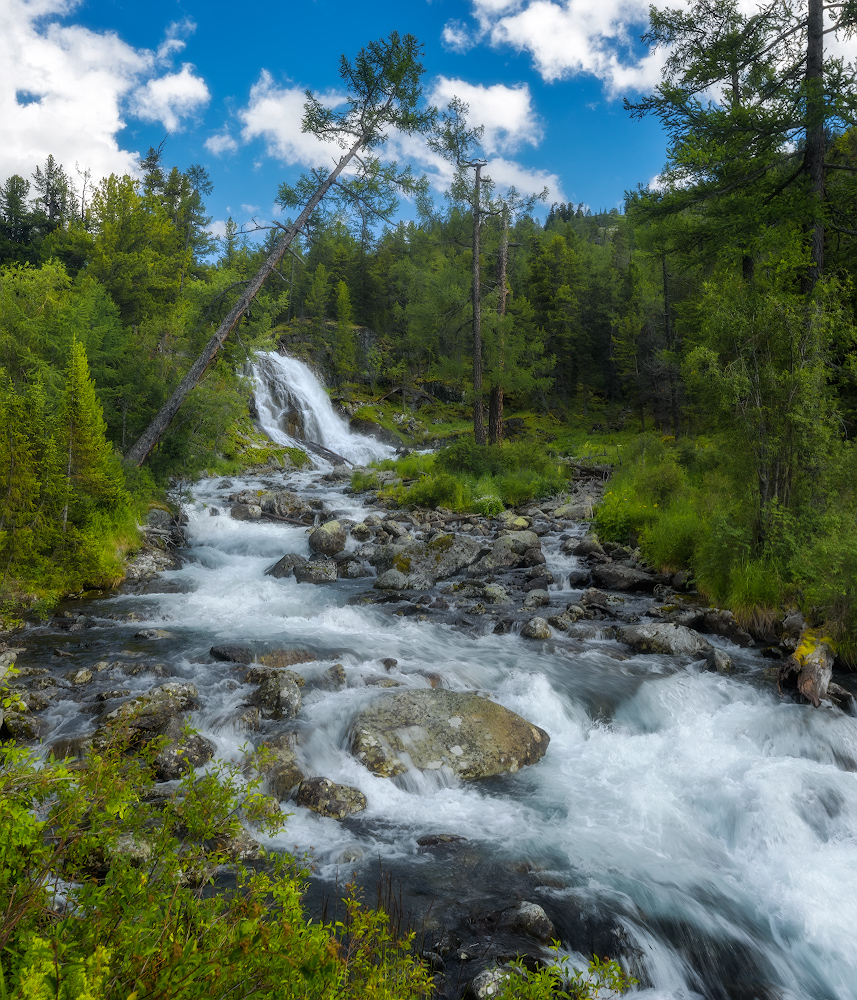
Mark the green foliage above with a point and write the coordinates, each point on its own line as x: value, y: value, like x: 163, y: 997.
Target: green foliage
x: 603, y: 979
x: 107, y: 894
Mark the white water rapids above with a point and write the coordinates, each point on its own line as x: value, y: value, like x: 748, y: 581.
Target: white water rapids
x: 701, y: 826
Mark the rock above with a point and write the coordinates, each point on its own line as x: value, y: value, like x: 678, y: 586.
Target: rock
x: 562, y: 622
x: 153, y: 710
x: 135, y: 850
x: 184, y: 752
x: 157, y: 517
x: 232, y: 653
x: 530, y: 920
x: 280, y: 658
x: 794, y: 624
x: 718, y: 661
x: 242, y: 847
x: 21, y: 726
x: 612, y: 576
x: 577, y: 510
x: 328, y: 539
x: 537, y: 598
x: 840, y: 696
x: 509, y: 519
x: 316, y: 571
x: 361, y: 532
x: 389, y: 662
x: 536, y: 628
x: 579, y: 577
x: 326, y: 798
x: 352, y: 569
x: 430, y: 729
x: 279, y: 764
x: 487, y: 593
x: 668, y: 639
x: 810, y: 667
x: 153, y: 633
x: 391, y: 579
x: 333, y: 679
x: 587, y: 546
x: 245, y: 511
x: 533, y: 558
x: 538, y: 583
x: 521, y: 541
x: 715, y: 621
x: 440, y: 839
x: 424, y: 563
x: 79, y: 677
x: 284, y: 503
x: 285, y: 567
x: 488, y: 984
x: 278, y: 697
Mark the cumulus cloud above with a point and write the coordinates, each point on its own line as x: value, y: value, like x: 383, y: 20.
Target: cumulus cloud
x: 274, y: 115
x: 67, y: 90
x: 168, y: 99
x: 220, y: 143
x: 506, y: 112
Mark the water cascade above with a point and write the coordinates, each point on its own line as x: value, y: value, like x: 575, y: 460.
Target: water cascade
x: 692, y: 823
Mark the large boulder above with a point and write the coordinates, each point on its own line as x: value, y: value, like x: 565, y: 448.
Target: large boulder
x: 432, y: 729
x: 246, y: 511
x: 613, y: 576
x: 328, y: 539
x: 232, y: 653
x: 327, y: 798
x: 521, y: 541
x: 286, y: 566
x: 536, y: 628
x: 182, y: 753
x: 665, y: 638
x: 284, y: 503
x: 503, y: 553
x: 278, y: 696
x: 423, y: 563
x: 316, y: 571
x: 152, y: 711
x: 279, y: 764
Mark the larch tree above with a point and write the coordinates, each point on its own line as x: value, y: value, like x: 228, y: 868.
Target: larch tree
x: 383, y: 90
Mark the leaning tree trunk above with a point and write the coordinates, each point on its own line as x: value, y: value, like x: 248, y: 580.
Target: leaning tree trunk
x: 495, y: 402
x: 478, y: 412
x: 140, y: 450
x: 815, y: 144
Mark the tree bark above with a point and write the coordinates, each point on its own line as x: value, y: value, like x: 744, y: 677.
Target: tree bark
x: 140, y: 450
x: 815, y: 144
x: 478, y: 411
x: 495, y: 402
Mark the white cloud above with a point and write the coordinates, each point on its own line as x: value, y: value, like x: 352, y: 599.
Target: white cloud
x: 457, y: 37
x: 274, y: 114
x: 76, y: 87
x: 220, y: 143
x: 508, y: 173
x: 218, y: 228
x: 506, y: 112
x: 170, y: 98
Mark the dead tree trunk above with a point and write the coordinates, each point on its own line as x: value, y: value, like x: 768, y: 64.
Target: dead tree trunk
x: 478, y: 411
x: 495, y: 401
x: 140, y: 450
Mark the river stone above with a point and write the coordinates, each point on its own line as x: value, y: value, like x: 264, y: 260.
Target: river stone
x: 184, y: 752
x: 812, y: 665
x: 327, y: 798
x: 278, y: 697
x: 488, y: 984
x: 536, y: 628
x: 486, y: 593
x: 280, y: 658
x: 431, y: 729
x: 615, y: 577
x: 442, y: 557
x: 361, y: 532
x: 279, y: 764
x: 153, y: 710
x: 578, y: 510
x: 245, y: 511
x: 82, y: 676
x: 587, y: 546
x: 328, y: 539
x: 283, y: 503
x: 352, y: 569
x: 509, y: 519
x: 502, y: 554
x: 232, y: 653
x: 668, y: 639
x: 529, y: 919
x: 285, y: 567
x: 520, y: 541
x: 391, y: 579
x: 316, y: 571
x: 718, y: 661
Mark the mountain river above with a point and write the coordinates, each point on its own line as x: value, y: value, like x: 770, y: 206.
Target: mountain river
x: 693, y: 824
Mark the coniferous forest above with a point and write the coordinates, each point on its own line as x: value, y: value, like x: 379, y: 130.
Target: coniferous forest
x: 697, y: 346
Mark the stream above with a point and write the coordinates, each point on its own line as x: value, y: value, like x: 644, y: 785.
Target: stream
x: 693, y: 824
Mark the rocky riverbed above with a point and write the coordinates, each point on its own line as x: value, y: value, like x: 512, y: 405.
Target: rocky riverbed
x: 536, y: 734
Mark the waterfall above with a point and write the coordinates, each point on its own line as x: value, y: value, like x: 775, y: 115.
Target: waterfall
x: 294, y: 409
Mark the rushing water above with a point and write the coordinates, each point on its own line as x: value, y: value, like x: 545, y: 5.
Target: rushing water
x: 693, y: 823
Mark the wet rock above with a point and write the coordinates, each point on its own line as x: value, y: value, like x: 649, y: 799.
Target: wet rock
x: 809, y: 668
x: 333, y: 679
x: 562, y: 622
x: 316, y: 571
x: 432, y: 729
x: 533, y: 558
x: 184, y: 752
x: 327, y: 798
x: 538, y: 583
x: 579, y: 577
x: 136, y: 850
x: 284, y: 503
x: 277, y: 697
x: 486, y: 593
x: 242, y: 847
x: 718, y: 661
x: 361, y: 532
x: 424, y: 563
x: 521, y: 541
x: 153, y: 710
x: 232, y: 653
x: 537, y: 598
x: 279, y: 764
x: 530, y: 920
x: 536, y: 628
x: 328, y: 539
x: 587, y: 546
x: 612, y: 576
x: 389, y: 662
x: 80, y: 677
x: 280, y: 658
x: 667, y: 639
x: 502, y: 555
x: 576, y: 510
x: 840, y: 696
x: 352, y: 569
x: 214, y: 511
x: 245, y: 511
x: 22, y: 726
x: 714, y: 621
x: 488, y: 984
x: 286, y: 566
x: 440, y: 839
x: 391, y: 579
x: 250, y: 718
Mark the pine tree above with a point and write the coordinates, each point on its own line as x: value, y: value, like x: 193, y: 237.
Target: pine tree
x: 345, y: 348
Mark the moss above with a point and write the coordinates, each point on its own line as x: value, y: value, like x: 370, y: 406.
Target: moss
x: 809, y: 643
x: 443, y: 543
x: 402, y: 564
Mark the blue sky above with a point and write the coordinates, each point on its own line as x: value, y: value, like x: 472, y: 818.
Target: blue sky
x: 96, y: 82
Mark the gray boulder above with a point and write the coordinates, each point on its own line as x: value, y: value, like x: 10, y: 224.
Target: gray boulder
x: 316, y: 571
x: 277, y: 696
x: 184, y: 752
x: 442, y: 557
x: 245, y: 511
x: 284, y: 503
x: 536, y: 628
x: 530, y: 920
x: 153, y: 710
x: 286, y: 566
x: 586, y: 546
x: 232, y: 653
x: 327, y: 798
x: 431, y: 729
x: 613, y: 576
x: 391, y: 579
x: 521, y: 541
x: 279, y: 764
x: 668, y: 639
x: 503, y: 553
x: 328, y: 539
